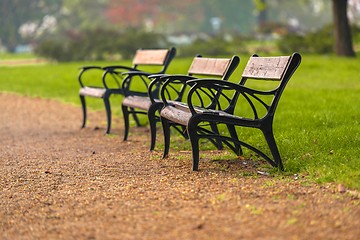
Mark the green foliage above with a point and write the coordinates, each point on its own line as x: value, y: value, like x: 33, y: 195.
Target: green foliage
x: 213, y: 46
x: 97, y: 44
x: 317, y: 124
x: 15, y: 13
x: 355, y: 32
x: 320, y: 42
x: 82, y: 14
x: 133, y: 39
x: 260, y: 5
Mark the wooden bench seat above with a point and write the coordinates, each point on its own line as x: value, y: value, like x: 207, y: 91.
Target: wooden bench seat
x: 92, y: 92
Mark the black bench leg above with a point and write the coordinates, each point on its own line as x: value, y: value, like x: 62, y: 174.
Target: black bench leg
x: 234, y: 135
x: 126, y: 121
x: 194, y: 139
x: 152, y: 123
x: 83, y: 104
x: 166, y: 130
x: 108, y: 114
x: 269, y: 136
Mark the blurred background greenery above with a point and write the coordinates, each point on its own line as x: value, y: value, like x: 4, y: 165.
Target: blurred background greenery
x: 76, y: 30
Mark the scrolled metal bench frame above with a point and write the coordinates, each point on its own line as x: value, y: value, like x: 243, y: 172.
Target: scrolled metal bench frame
x: 149, y: 103
x: 160, y: 58
x: 278, y: 69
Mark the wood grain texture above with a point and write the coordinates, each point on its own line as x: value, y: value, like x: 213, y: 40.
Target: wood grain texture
x: 266, y: 67
x: 209, y: 66
x: 150, y: 57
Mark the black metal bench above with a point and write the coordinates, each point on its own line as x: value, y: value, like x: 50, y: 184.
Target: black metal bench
x: 149, y: 103
x: 230, y: 100
x: 112, y: 77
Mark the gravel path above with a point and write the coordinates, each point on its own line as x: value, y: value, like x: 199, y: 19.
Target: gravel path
x: 60, y: 182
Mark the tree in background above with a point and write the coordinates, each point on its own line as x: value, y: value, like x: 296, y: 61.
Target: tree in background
x: 342, y: 33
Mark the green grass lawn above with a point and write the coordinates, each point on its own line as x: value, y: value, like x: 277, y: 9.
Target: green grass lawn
x: 317, y: 124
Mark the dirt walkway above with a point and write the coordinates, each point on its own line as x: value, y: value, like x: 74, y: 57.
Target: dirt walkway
x: 60, y: 182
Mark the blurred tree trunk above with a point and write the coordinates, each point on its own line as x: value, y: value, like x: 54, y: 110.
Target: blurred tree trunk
x: 342, y: 33
x: 261, y: 8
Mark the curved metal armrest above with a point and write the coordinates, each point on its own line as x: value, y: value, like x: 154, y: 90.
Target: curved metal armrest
x: 219, y: 86
x: 168, y: 86
x: 180, y: 77
x: 116, y: 68
x: 136, y: 73
x: 135, y: 76
x: 116, y: 72
x: 154, y: 86
x: 84, y: 69
x: 160, y: 75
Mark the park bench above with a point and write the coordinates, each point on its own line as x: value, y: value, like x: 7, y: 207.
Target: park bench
x: 231, y: 99
x: 112, y: 78
x: 150, y: 104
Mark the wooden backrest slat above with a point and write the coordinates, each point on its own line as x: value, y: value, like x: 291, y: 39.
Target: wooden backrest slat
x: 209, y: 66
x: 150, y: 57
x: 266, y: 67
